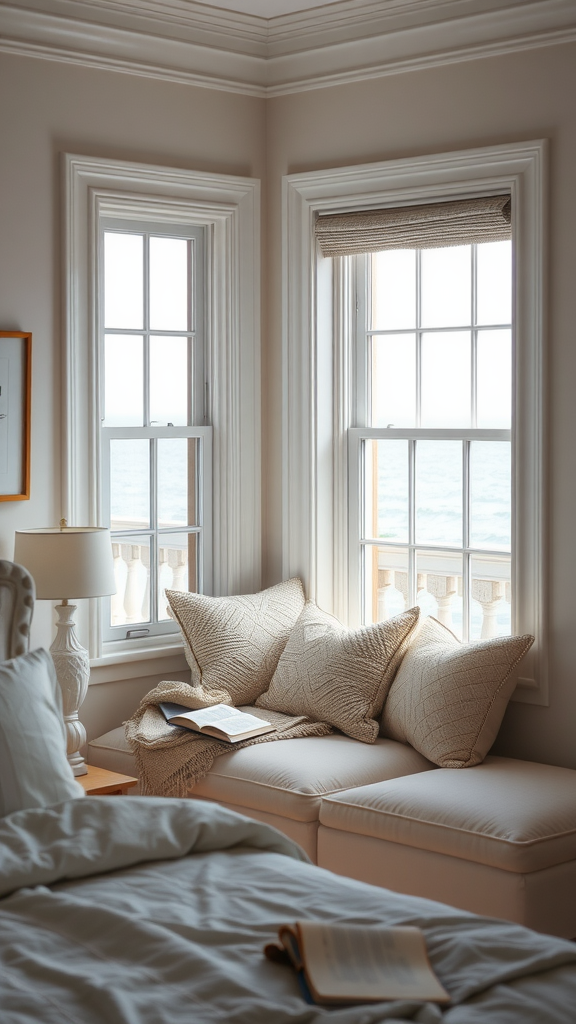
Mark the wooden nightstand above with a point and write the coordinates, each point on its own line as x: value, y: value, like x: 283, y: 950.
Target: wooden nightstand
x: 100, y: 782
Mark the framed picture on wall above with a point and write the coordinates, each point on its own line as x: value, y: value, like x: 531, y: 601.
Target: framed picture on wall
x: 15, y: 396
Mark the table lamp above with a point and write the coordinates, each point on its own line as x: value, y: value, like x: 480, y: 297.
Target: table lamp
x: 75, y: 561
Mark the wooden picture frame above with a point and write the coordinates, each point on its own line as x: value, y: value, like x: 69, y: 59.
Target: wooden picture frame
x: 15, y: 414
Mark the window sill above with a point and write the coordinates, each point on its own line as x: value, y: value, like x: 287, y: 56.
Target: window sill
x: 164, y: 659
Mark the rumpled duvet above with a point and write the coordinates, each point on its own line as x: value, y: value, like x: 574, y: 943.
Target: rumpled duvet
x: 155, y: 911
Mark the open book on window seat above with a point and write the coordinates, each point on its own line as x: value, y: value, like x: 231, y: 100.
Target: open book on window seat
x: 347, y: 963
x: 220, y: 721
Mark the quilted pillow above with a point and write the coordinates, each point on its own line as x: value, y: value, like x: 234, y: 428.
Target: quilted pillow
x: 34, y: 769
x: 233, y: 644
x: 448, y: 698
x: 339, y: 675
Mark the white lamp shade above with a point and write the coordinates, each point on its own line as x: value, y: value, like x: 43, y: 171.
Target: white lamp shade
x: 67, y: 563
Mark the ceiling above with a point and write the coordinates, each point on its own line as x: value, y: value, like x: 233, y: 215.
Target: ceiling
x: 267, y: 8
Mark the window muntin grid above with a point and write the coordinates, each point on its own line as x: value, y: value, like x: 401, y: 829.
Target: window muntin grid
x: 153, y: 433
x: 467, y: 565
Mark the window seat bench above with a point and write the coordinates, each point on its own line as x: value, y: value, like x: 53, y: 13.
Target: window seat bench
x: 497, y: 839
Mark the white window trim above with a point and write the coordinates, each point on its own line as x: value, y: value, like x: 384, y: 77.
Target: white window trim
x: 317, y: 367
x: 229, y: 208
x: 202, y: 531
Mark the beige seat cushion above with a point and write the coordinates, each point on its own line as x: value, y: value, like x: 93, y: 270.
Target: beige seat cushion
x: 286, y: 778
x: 289, y: 777
x: 448, y: 699
x: 543, y: 900
x: 516, y: 815
x: 111, y: 751
x: 339, y: 675
x: 233, y: 644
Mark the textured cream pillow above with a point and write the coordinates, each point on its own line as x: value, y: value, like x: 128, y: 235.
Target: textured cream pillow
x: 233, y: 644
x: 338, y: 675
x: 448, y: 698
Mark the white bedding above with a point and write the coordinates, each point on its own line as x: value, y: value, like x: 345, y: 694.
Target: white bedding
x: 151, y: 911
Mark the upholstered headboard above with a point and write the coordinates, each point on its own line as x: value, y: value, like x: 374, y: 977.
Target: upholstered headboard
x: 16, y: 609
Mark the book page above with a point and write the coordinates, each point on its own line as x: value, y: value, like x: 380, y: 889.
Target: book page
x: 215, y: 715
x: 201, y: 716
x: 241, y: 722
x: 356, y: 962
x: 226, y: 719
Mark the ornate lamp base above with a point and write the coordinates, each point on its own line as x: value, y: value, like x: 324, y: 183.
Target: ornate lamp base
x: 73, y: 672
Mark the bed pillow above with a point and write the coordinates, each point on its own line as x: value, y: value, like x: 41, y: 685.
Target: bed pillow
x: 448, y: 698
x: 233, y: 644
x: 34, y: 769
x: 339, y: 675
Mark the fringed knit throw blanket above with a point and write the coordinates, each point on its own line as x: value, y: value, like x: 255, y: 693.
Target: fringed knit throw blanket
x: 171, y: 761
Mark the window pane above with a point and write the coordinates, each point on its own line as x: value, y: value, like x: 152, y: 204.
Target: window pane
x: 385, y: 582
x: 123, y: 280
x: 169, y: 377
x: 446, y: 379
x: 439, y: 492
x: 130, y: 484
x: 490, y: 497
x: 394, y: 380
x: 439, y: 587
x: 494, y: 377
x: 177, y: 566
x: 123, y: 380
x: 394, y: 290
x: 168, y: 284
x: 131, y: 603
x: 446, y: 286
x: 491, y: 613
x: 494, y: 283
x: 386, y: 490
x: 177, y: 476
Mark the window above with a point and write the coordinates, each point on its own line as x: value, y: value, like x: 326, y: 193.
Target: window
x: 192, y: 237
x: 431, y: 520
x: 156, y: 450
x: 321, y: 409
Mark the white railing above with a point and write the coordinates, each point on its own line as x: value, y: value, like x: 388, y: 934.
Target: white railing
x: 440, y: 593
x: 131, y: 602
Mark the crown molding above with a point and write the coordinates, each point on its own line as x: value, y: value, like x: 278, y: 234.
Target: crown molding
x: 432, y: 45
x: 361, y: 19
x: 65, y: 40
x: 190, y: 43
x: 184, y: 20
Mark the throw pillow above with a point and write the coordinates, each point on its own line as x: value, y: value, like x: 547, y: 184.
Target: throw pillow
x: 233, y: 644
x: 34, y: 770
x: 339, y: 675
x: 448, y: 698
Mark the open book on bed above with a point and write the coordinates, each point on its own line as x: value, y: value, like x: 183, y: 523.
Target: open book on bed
x: 347, y: 963
x: 220, y: 721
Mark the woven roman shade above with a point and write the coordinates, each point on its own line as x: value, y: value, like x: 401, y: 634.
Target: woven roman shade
x: 430, y: 226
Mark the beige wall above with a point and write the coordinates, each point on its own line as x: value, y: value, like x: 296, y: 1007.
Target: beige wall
x: 478, y: 103
x: 47, y: 108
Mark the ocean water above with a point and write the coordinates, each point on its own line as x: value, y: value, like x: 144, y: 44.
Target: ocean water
x: 130, y: 481
x: 439, y: 520
x: 439, y: 493
x: 439, y: 505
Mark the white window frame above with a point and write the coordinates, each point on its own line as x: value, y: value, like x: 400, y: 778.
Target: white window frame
x: 318, y: 368
x: 115, y: 638
x: 228, y: 208
x: 161, y: 631
x: 359, y: 543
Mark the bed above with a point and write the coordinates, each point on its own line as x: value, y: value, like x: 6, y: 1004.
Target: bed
x: 153, y: 910
x: 135, y: 910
